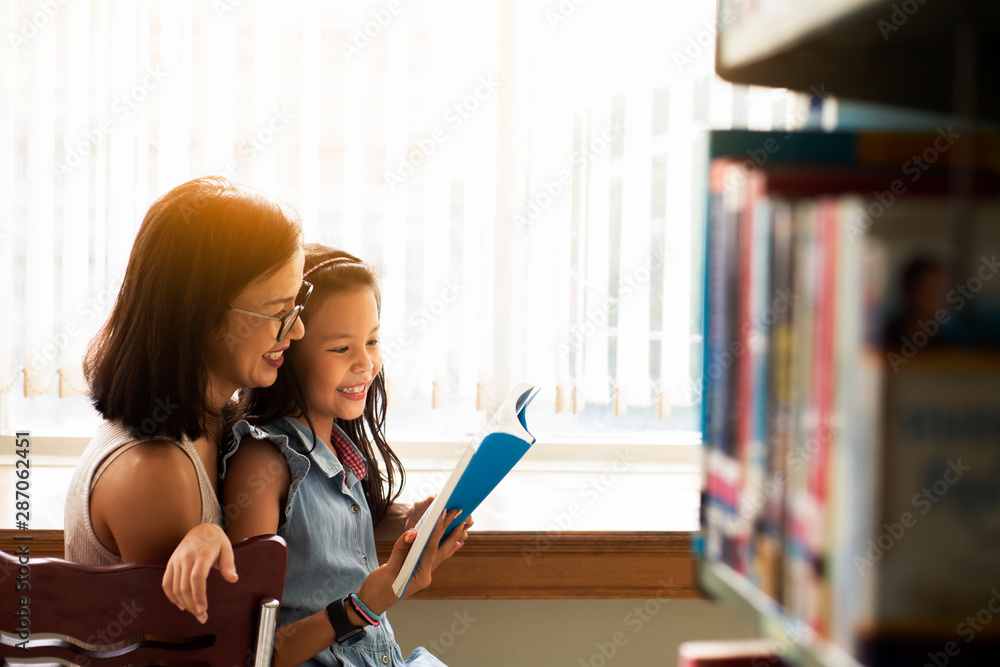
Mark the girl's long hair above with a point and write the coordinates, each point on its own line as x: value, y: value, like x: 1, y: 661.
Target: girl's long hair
x: 382, y: 483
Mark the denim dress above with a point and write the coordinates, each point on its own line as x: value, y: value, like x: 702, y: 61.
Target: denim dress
x: 331, y: 542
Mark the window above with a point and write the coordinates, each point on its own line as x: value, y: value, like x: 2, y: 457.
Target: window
x: 530, y: 176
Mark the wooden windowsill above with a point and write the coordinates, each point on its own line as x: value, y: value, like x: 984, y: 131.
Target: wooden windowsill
x: 527, y: 565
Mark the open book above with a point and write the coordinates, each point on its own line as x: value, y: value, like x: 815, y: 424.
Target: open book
x: 483, y: 464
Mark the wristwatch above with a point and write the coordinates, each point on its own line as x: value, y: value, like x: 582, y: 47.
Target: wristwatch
x: 347, y: 632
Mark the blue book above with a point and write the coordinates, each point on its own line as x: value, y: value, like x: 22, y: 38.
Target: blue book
x: 482, y: 466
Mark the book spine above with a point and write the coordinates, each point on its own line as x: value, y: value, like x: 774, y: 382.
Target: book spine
x: 800, y: 578
x: 755, y: 331
x: 715, y: 367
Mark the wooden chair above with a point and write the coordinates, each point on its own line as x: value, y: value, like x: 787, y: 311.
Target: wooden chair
x: 118, y: 615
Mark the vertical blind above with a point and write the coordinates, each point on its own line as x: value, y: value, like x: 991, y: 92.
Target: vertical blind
x: 524, y: 232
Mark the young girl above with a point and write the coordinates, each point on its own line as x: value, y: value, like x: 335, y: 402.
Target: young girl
x: 309, y: 471
x: 209, y: 301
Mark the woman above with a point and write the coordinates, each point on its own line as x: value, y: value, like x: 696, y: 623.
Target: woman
x: 209, y: 302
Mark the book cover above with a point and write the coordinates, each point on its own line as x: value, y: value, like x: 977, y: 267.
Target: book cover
x: 482, y: 466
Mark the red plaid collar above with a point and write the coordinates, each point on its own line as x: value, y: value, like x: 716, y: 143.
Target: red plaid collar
x: 347, y: 452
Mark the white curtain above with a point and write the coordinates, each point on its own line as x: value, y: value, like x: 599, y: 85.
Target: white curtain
x: 536, y: 218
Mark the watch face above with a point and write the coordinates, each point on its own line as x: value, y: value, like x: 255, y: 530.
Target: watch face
x: 347, y: 632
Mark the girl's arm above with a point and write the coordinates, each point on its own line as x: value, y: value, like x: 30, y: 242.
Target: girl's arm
x: 261, y: 499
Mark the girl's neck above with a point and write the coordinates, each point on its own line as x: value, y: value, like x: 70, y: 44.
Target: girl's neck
x: 323, y: 427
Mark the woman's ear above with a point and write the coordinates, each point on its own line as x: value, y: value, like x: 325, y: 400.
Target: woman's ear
x: 219, y: 332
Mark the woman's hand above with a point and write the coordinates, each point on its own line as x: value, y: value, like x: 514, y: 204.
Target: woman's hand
x: 376, y: 591
x: 205, y: 546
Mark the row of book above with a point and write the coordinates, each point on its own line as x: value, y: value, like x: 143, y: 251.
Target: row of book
x: 852, y: 384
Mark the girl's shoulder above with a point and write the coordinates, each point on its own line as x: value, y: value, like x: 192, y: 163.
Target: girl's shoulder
x: 276, y: 431
x: 264, y: 444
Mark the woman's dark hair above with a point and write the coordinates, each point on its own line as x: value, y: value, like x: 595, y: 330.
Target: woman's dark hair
x: 199, y: 246
x: 268, y: 404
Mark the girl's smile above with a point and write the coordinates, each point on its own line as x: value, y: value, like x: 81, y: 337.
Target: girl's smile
x: 356, y: 393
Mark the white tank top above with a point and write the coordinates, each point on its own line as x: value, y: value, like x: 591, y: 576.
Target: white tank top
x: 110, y: 442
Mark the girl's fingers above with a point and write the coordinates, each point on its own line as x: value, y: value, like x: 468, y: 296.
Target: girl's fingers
x: 399, y: 551
x: 188, y: 587
x: 227, y: 564
x: 199, y: 578
x: 177, y: 587
x: 183, y: 588
x: 442, y: 525
x: 422, y: 506
x: 185, y: 579
x: 168, y: 583
x: 459, y: 532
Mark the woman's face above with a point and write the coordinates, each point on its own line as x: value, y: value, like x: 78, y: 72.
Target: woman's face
x: 340, y: 357
x: 244, y: 351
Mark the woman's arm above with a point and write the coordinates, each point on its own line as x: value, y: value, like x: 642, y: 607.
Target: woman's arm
x: 261, y: 499
x: 146, y: 501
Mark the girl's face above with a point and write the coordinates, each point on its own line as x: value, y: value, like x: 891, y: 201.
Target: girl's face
x: 340, y: 357
x: 244, y: 352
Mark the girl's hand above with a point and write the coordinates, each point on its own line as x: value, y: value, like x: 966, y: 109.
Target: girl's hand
x: 376, y: 591
x: 205, y: 546
x: 416, y: 511
x: 437, y: 552
x: 454, y: 542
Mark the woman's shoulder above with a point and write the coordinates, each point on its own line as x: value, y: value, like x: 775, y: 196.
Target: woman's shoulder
x: 114, y: 440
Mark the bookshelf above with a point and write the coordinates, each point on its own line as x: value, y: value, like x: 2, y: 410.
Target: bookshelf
x: 938, y: 58
x: 798, y: 643
x: 858, y: 49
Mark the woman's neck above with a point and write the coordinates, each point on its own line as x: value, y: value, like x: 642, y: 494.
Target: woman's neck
x: 217, y: 396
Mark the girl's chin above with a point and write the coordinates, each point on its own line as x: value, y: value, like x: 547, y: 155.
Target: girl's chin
x: 350, y: 411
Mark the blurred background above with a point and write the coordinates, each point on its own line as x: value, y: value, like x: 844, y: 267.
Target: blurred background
x: 529, y: 175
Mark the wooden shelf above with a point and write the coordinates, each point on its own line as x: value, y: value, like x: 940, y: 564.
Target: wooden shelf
x: 799, y: 644
x: 509, y: 565
x: 851, y: 49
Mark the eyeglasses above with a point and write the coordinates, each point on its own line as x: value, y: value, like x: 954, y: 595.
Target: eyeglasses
x: 288, y: 319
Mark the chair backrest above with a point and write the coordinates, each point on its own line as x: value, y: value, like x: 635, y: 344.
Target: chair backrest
x: 118, y: 615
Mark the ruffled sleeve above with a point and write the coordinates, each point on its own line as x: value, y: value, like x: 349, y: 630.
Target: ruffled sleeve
x: 298, y: 464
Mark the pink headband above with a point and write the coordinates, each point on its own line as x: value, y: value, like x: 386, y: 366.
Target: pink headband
x: 328, y: 261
